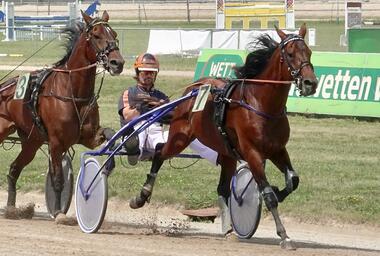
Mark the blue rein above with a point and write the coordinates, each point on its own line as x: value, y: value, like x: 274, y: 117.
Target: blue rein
x: 245, y: 105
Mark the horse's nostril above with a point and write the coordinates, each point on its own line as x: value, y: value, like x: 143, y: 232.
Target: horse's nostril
x: 113, y: 63
x: 312, y: 83
x: 308, y: 82
x: 116, y: 63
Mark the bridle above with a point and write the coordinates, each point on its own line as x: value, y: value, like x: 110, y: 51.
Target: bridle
x: 295, y: 73
x: 112, y: 45
x: 101, y: 58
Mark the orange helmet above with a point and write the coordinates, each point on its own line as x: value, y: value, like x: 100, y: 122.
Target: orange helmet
x: 146, y: 62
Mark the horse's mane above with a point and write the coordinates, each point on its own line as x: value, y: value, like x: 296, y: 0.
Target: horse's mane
x: 257, y: 60
x: 71, y: 35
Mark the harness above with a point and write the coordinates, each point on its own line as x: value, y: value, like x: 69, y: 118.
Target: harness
x: 40, y: 76
x: 221, y: 99
x: 34, y: 92
x: 222, y: 95
x: 295, y: 73
x: 35, y: 85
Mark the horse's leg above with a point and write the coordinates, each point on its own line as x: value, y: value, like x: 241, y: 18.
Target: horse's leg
x: 257, y: 166
x: 147, y: 189
x: 57, y: 180
x: 228, y: 167
x: 6, y: 128
x: 282, y: 162
x: 28, y: 151
x: 172, y: 147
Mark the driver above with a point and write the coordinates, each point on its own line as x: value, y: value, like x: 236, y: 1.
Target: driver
x: 133, y: 102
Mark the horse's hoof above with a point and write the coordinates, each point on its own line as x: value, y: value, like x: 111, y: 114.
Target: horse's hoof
x: 137, y: 202
x: 231, y: 236
x: 287, y: 244
x: 62, y: 219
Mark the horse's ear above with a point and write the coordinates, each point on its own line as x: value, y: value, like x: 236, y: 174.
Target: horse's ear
x: 280, y: 33
x: 302, y: 31
x: 86, y: 17
x: 105, y: 16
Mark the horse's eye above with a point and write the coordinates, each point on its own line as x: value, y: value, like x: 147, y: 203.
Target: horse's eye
x: 290, y: 55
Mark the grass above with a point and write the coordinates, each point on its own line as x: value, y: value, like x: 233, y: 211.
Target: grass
x: 337, y: 160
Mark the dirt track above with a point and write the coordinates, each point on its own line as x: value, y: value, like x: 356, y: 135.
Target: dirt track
x: 157, y: 230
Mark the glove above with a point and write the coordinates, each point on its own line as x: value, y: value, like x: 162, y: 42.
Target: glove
x: 147, y: 103
x: 143, y: 107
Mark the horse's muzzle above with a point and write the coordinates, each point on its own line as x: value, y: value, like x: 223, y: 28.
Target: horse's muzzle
x: 115, y: 66
x: 308, y: 87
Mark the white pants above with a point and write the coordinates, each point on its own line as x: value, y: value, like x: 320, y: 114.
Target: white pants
x: 154, y: 134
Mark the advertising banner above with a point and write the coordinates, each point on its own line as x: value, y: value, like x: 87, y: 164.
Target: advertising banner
x: 349, y: 83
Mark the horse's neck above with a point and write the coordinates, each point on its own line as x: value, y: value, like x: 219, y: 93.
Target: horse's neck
x: 82, y: 81
x: 275, y: 95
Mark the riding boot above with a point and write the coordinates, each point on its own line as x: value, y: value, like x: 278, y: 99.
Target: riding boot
x: 224, y: 215
x: 108, y: 134
x: 110, y: 165
x: 131, y: 146
x: 145, y: 193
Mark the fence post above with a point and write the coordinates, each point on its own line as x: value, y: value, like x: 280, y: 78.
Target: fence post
x: 9, y: 22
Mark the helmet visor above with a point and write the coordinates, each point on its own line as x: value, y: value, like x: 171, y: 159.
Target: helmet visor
x: 147, y: 69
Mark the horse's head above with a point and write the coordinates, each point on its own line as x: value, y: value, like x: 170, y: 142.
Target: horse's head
x: 104, y: 43
x: 296, y: 55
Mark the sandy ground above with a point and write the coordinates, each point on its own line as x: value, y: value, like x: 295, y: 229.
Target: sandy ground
x: 161, y: 230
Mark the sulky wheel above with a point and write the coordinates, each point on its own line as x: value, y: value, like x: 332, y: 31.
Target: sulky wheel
x: 244, y: 203
x: 91, y: 195
x: 67, y: 191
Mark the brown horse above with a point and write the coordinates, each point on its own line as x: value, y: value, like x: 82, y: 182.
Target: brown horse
x: 255, y: 126
x: 66, y: 110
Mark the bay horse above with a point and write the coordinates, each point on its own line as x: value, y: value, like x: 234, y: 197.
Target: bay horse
x: 255, y: 125
x: 66, y: 110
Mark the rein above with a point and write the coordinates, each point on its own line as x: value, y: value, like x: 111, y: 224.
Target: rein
x: 245, y: 105
x: 72, y: 97
x: 256, y: 111
x: 265, y: 81
x: 76, y: 69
